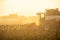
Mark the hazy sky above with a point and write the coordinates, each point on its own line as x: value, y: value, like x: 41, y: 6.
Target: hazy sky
x: 26, y: 7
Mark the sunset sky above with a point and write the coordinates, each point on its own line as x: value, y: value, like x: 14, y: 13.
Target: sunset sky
x: 26, y: 7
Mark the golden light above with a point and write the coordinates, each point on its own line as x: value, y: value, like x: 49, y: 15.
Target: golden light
x: 25, y: 7
x: 42, y: 15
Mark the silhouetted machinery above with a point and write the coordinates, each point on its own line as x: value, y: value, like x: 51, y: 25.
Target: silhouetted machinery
x: 41, y: 18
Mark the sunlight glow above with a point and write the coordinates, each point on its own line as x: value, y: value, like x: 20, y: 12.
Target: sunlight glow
x: 25, y: 7
x: 42, y: 15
